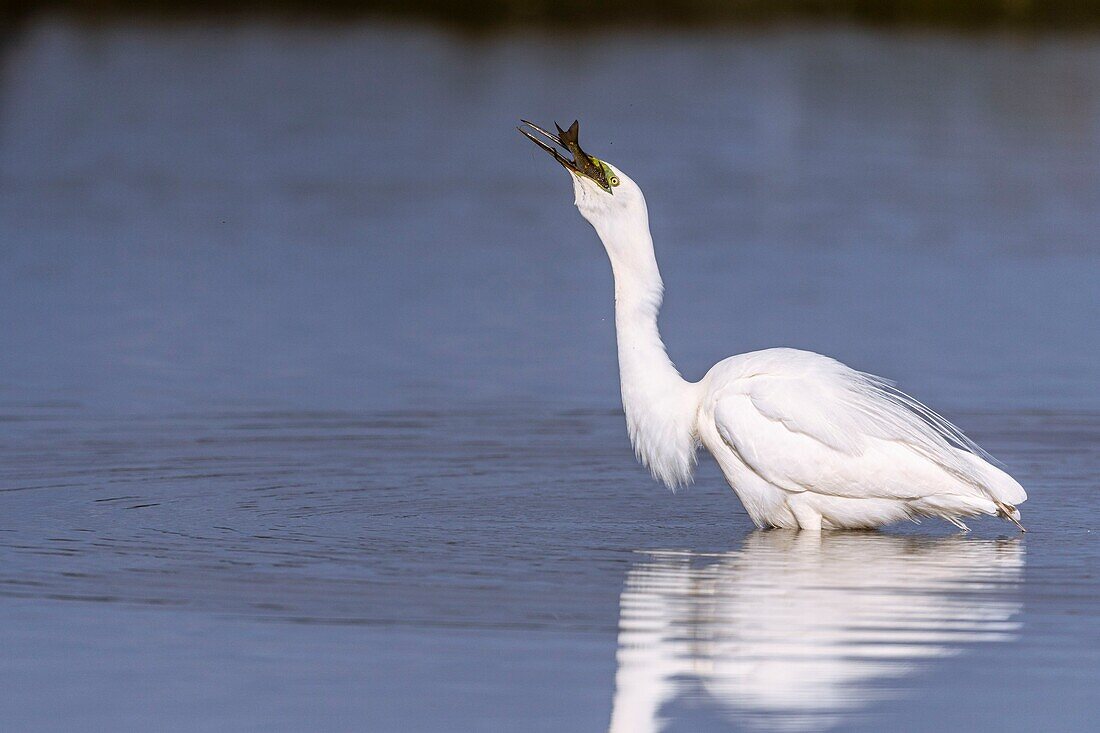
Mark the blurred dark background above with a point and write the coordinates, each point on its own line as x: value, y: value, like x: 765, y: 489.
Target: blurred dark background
x: 972, y: 14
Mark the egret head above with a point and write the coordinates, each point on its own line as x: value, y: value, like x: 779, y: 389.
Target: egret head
x: 602, y: 191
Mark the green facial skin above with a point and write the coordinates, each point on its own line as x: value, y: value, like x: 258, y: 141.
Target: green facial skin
x: 608, y: 175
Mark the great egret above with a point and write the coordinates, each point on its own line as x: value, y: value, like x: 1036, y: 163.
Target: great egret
x: 804, y: 441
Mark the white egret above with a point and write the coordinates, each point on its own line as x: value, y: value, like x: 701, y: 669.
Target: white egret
x: 804, y: 441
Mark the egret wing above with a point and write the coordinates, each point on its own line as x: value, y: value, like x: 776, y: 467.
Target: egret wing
x: 827, y: 428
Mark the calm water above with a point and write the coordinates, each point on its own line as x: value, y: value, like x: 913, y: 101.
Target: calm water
x: 308, y: 402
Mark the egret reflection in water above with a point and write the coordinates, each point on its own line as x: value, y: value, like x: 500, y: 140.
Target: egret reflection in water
x: 796, y: 631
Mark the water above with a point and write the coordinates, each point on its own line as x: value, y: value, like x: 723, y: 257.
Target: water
x: 308, y: 402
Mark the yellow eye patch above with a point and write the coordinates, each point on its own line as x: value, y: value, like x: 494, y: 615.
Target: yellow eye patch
x: 611, y: 178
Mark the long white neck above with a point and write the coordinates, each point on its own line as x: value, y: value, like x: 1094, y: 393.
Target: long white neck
x: 660, y: 405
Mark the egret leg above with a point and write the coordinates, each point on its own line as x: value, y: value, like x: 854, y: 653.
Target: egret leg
x: 807, y: 517
x: 1010, y: 513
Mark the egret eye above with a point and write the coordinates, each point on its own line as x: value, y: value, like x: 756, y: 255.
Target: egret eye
x: 613, y: 180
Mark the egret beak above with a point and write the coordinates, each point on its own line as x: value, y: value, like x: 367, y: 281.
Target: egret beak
x: 582, y: 163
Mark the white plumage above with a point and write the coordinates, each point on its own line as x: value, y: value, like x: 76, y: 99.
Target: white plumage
x: 843, y: 448
x: 804, y: 441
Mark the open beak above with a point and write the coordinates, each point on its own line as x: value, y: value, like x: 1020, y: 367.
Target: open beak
x: 582, y: 164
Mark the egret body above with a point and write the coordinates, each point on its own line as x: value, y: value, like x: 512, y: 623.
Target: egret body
x: 804, y: 441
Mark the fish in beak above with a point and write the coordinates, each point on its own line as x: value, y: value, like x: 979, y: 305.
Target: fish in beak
x: 582, y: 164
